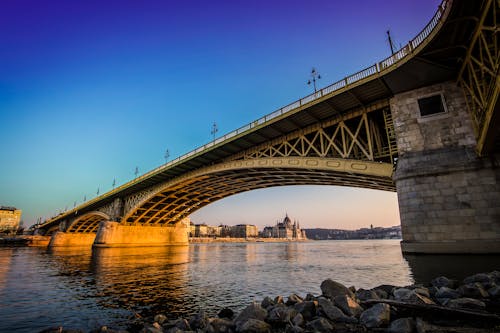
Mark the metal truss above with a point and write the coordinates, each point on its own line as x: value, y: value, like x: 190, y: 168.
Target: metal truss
x: 177, y: 200
x: 363, y: 135
x: 479, y: 76
x: 88, y: 223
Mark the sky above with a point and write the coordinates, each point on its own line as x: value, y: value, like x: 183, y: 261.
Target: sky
x: 92, y: 89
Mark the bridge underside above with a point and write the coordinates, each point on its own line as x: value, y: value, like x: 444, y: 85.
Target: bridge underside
x: 179, y: 200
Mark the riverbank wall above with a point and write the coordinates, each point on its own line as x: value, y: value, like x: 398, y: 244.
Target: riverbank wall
x: 241, y: 240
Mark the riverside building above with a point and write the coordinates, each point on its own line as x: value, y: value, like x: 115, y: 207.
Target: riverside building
x: 10, y: 217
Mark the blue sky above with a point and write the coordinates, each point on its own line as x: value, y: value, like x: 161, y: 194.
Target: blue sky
x: 90, y: 90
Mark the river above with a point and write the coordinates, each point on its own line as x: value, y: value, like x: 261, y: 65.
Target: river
x: 85, y: 288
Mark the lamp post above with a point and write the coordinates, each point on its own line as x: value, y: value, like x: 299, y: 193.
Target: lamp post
x: 136, y: 172
x: 167, y: 155
x: 114, y: 183
x: 214, y: 130
x: 315, y: 76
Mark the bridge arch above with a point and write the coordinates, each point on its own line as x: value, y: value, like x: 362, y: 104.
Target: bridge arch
x: 170, y: 202
x: 87, y: 223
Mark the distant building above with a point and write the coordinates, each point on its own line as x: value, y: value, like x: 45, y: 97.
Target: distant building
x: 285, y: 229
x: 10, y: 217
x: 245, y: 231
x: 203, y: 230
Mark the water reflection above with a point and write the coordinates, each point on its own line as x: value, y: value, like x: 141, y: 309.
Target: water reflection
x: 5, y: 260
x: 427, y: 267
x: 137, y: 278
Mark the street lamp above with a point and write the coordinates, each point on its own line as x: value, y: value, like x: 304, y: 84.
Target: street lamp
x: 114, y: 183
x: 167, y: 155
x: 214, y: 130
x: 315, y: 76
x: 136, y: 172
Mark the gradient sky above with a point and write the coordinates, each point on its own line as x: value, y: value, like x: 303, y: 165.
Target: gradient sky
x: 92, y: 89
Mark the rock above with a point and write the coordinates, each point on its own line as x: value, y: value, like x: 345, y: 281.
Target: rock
x: 411, y: 296
x: 182, y: 324
x: 280, y: 314
x: 320, y: 325
x: 198, y: 321
x: 445, y: 292
x: 310, y: 297
x: 254, y: 326
x: 363, y: 294
x: 422, y: 291
x: 267, y: 302
x: 376, y: 316
x: 152, y: 329
x: 443, y: 281
x: 348, y: 305
x: 175, y: 330
x: 332, y: 288
x: 253, y: 311
x: 465, y: 303
x: 219, y: 325
x: 293, y: 299
x: 482, y: 278
x: 422, y: 326
x: 473, y: 290
x: 387, y: 288
x: 334, y: 313
x: 298, y: 320
x: 160, y: 318
x: 494, y: 292
x: 307, y: 309
x: 226, y: 313
x: 495, y: 276
x: 294, y: 329
x: 402, y: 325
x: 279, y: 300
x: 381, y: 293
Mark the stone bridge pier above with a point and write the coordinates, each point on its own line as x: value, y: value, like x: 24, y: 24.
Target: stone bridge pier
x: 449, y: 197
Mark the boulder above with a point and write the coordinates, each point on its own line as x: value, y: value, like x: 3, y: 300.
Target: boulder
x: 402, y: 325
x: 219, y: 325
x: 319, y: 325
x: 280, y: 314
x: 267, y: 302
x: 334, y: 313
x: 293, y: 299
x: 473, y: 290
x: 332, y: 288
x: 310, y: 297
x: 445, y: 292
x: 254, y: 326
x: 443, y: 281
x: 279, y: 300
x: 253, y: 311
x: 348, y: 305
x: 363, y: 294
x: 376, y: 316
x: 482, y: 278
x: 308, y: 309
x: 182, y: 324
x: 294, y: 329
x: 494, y: 292
x: 226, y: 313
x: 198, y: 321
x: 465, y: 303
x: 411, y: 296
x: 298, y: 320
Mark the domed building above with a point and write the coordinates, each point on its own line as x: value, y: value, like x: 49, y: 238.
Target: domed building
x: 285, y: 229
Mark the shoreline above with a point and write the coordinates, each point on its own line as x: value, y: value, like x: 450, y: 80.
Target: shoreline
x: 242, y: 240
x: 443, y: 306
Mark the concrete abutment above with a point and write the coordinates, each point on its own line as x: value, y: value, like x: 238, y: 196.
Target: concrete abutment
x: 449, y: 198
x: 66, y: 239
x: 114, y: 234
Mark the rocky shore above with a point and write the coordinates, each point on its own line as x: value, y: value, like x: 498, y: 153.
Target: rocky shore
x: 444, y: 306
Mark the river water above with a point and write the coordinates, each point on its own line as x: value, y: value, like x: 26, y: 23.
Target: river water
x: 85, y: 288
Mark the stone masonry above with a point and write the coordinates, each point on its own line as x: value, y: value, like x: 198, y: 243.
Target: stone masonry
x: 449, y: 198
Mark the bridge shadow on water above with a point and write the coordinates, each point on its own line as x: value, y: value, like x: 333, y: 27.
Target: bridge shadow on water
x: 426, y: 267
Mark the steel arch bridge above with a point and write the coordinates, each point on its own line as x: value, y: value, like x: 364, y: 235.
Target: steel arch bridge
x: 343, y: 134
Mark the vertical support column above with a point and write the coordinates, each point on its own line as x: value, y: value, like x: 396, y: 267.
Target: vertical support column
x: 449, y: 198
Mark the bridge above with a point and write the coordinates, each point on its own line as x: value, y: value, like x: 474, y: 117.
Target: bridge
x: 423, y: 122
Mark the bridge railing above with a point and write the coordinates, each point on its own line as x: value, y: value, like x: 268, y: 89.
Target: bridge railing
x: 338, y: 86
